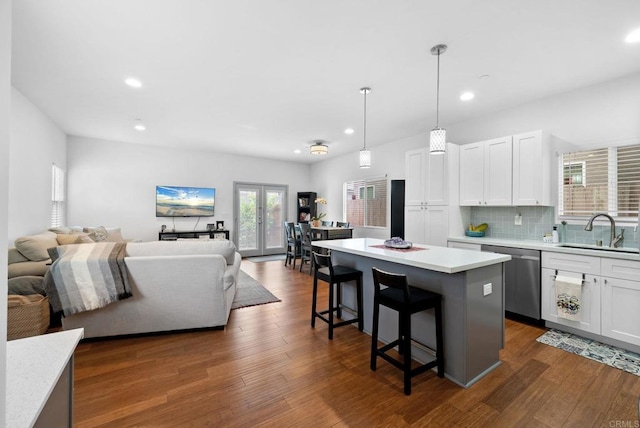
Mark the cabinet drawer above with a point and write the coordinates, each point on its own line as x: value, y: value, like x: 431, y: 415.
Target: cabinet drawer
x: 571, y: 262
x: 464, y: 245
x: 623, y: 269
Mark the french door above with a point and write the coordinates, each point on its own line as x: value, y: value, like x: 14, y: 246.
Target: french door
x: 259, y: 213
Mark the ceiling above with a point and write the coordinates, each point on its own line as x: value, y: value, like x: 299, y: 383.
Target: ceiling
x: 265, y: 77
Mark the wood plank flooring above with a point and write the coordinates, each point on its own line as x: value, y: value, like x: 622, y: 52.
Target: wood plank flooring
x: 269, y: 368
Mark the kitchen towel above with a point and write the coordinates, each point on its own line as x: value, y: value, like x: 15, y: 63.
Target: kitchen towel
x: 568, y: 297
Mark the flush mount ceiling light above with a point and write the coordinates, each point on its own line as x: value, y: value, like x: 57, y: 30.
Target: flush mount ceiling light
x: 365, y: 155
x: 438, y: 138
x: 349, y: 131
x: 319, y: 148
x: 133, y: 82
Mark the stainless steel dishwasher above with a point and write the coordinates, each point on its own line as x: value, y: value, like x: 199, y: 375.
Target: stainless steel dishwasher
x: 521, y: 280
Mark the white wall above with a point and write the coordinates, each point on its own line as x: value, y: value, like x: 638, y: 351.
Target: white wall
x: 598, y: 115
x: 113, y: 184
x: 5, y: 116
x: 36, y: 143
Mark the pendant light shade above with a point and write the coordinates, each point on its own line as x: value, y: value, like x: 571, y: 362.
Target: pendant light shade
x: 365, y: 155
x: 438, y: 138
x: 319, y: 148
x: 365, y: 158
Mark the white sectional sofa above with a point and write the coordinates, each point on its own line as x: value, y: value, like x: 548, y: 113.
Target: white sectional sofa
x: 175, y: 285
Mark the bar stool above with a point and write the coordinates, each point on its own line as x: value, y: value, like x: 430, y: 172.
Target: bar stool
x: 324, y: 270
x: 407, y: 300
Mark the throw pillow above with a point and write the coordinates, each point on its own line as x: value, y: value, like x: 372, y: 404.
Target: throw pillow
x: 98, y: 234
x: 34, y: 247
x: 83, y: 239
x: 73, y: 238
x: 114, y: 234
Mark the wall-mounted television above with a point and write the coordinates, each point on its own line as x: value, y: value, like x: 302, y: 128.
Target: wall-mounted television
x: 175, y: 201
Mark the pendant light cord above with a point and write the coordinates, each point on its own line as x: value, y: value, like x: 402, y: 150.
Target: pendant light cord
x: 365, y: 120
x: 438, y: 92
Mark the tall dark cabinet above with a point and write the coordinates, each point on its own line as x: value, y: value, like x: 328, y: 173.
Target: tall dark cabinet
x: 307, y: 206
x: 397, y: 208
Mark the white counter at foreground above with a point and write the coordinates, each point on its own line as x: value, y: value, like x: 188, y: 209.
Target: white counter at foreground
x: 40, y: 380
x: 471, y: 284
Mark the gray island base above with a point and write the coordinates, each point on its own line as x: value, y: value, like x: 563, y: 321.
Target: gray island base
x: 471, y: 284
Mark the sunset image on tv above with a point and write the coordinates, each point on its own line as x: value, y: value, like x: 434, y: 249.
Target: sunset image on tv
x: 172, y: 201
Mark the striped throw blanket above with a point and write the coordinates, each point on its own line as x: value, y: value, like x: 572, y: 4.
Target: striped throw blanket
x: 84, y: 277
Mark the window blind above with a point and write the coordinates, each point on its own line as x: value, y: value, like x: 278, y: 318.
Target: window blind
x: 600, y: 181
x: 57, y: 196
x: 366, y: 202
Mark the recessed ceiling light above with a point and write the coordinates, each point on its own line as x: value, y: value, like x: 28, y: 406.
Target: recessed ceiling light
x: 297, y: 151
x: 349, y: 131
x: 633, y: 37
x: 466, y: 96
x: 484, y: 76
x: 139, y: 125
x: 134, y: 83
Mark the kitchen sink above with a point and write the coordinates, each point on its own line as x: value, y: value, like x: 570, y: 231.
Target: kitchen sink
x: 600, y: 248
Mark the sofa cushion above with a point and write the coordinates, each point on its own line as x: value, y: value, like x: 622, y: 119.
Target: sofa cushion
x: 16, y: 257
x: 171, y: 248
x: 28, y: 268
x: 26, y: 285
x: 34, y: 247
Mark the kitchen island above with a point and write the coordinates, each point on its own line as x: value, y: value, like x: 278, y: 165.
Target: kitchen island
x: 471, y: 284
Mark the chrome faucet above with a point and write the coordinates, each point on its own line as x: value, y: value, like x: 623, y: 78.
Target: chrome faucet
x: 613, y: 242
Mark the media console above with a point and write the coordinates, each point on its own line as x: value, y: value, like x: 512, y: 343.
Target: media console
x: 194, y: 234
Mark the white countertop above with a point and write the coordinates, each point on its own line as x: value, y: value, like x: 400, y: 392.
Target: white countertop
x: 440, y: 259
x: 34, y: 365
x: 539, y: 245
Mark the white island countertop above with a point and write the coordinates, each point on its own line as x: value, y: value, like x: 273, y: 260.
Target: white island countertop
x: 34, y: 365
x: 439, y: 259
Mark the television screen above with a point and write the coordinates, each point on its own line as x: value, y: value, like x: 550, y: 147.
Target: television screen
x: 173, y: 201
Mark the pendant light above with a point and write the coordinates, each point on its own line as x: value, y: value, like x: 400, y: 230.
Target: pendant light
x: 319, y: 148
x: 365, y: 155
x: 438, y: 138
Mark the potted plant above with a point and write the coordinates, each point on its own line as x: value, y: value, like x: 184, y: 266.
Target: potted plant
x: 315, y: 220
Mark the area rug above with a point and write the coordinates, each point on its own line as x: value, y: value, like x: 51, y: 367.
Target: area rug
x: 250, y: 292
x: 266, y: 258
x: 606, y: 354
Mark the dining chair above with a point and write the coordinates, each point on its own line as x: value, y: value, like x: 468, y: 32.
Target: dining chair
x: 342, y: 224
x: 293, y: 243
x: 327, y: 223
x: 306, y: 247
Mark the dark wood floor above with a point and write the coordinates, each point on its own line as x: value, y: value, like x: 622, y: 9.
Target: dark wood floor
x: 269, y: 368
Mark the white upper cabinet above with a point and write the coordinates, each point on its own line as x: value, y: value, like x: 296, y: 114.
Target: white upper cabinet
x: 532, y: 169
x: 485, y: 173
x: 426, y: 178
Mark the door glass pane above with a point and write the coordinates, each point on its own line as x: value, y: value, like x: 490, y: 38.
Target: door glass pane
x: 274, y: 218
x: 248, y: 219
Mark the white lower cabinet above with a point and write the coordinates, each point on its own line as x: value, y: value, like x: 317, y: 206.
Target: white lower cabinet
x: 590, y: 309
x: 610, y: 294
x: 621, y: 300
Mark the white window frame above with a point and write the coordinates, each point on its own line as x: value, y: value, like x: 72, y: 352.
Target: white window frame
x: 58, y: 196
x: 612, y: 189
